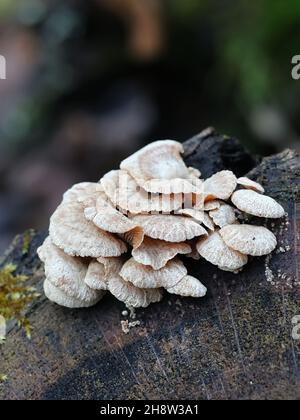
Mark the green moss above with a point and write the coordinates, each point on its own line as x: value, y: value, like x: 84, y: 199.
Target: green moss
x: 27, y: 237
x: 15, y: 297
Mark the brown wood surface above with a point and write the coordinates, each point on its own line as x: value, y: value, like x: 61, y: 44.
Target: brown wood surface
x: 234, y: 344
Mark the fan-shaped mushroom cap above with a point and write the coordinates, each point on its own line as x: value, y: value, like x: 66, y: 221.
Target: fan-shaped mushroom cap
x: 66, y: 274
x: 212, y: 205
x: 173, y: 186
x: 144, y: 276
x: 188, y: 286
x: 221, y: 185
x: 126, y: 194
x: 76, y: 236
x: 157, y: 253
x: 249, y: 239
x: 133, y: 296
x: 54, y: 294
x: 101, y: 212
x: 251, y: 185
x: 82, y: 191
x: 198, y: 215
x: 159, y: 160
x: 223, y: 216
x: 96, y: 278
x: 257, y: 204
x: 169, y: 228
x: 215, y: 250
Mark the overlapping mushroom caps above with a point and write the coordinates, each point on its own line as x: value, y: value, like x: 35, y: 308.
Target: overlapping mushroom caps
x: 126, y: 233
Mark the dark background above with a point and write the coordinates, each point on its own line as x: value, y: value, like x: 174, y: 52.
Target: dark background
x: 90, y: 81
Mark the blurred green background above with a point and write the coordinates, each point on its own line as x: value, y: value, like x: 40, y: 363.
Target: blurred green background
x: 90, y: 81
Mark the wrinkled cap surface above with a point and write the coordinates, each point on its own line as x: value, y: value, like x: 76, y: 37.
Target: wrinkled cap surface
x: 157, y: 253
x: 126, y: 194
x: 159, y: 160
x: 223, y: 216
x: 105, y: 216
x: 133, y: 296
x: 257, y: 204
x: 221, y: 185
x: 67, y: 274
x: 217, y: 252
x: 170, y: 228
x: 82, y: 191
x: 251, y: 185
x: 144, y: 276
x: 188, y: 286
x: 198, y: 215
x: 75, y: 235
x: 249, y: 239
x: 57, y: 296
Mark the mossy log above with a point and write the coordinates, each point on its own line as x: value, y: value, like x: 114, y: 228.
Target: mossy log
x: 234, y: 344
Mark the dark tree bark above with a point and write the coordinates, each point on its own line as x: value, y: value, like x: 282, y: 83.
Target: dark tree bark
x: 234, y: 344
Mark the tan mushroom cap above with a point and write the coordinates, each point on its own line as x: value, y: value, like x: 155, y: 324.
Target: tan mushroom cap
x: 57, y: 296
x: 169, y: 228
x: 249, y: 239
x: 105, y: 216
x: 251, y: 185
x: 76, y: 236
x: 133, y: 296
x: 96, y: 277
x: 126, y: 194
x: 212, y: 205
x: 198, y: 215
x: 67, y: 274
x: 144, y: 276
x: 221, y: 185
x: 215, y: 250
x: 223, y: 216
x: 188, y: 286
x: 82, y: 191
x: 257, y: 204
x: 173, y: 186
x: 159, y: 160
x: 157, y: 253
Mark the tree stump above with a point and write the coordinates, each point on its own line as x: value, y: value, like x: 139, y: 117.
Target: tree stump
x: 236, y: 343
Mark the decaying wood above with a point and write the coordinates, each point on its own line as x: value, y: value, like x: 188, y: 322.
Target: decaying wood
x: 234, y: 344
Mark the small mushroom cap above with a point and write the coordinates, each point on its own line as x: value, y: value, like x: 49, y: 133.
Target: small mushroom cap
x: 96, y: 277
x: 144, y: 276
x: 57, y: 296
x: 126, y: 194
x: 198, y: 215
x: 133, y: 296
x: 215, y: 250
x: 221, y: 185
x: 212, y: 205
x: 249, y: 239
x: 194, y: 172
x: 257, y: 204
x: 169, y: 228
x: 251, y: 185
x: 67, y: 274
x: 223, y: 216
x: 188, y: 286
x: 106, y: 217
x: 160, y: 160
x: 174, y: 186
x: 157, y: 253
x: 82, y: 191
x: 76, y: 236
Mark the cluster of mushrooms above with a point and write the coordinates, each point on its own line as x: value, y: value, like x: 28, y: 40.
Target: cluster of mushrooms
x: 124, y: 234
